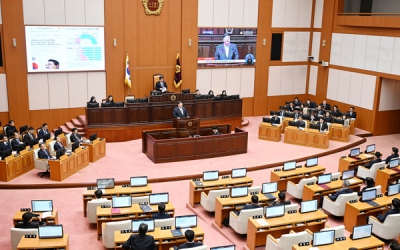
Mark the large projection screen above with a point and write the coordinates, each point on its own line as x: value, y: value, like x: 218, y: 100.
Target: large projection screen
x: 64, y: 48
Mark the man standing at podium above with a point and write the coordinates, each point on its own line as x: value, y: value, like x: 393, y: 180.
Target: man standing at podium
x: 180, y: 111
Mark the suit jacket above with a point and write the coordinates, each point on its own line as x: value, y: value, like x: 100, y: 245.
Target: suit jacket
x: 297, y: 104
x: 158, y: 86
x: 157, y: 216
x: 282, y: 113
x: 177, y: 113
x: 352, y: 115
x: 75, y: 137
x: 248, y: 206
x: 15, y: 143
x: 313, y: 119
x: 42, y: 133
x: 221, y: 55
x: 216, y: 133
x: 312, y: 105
x: 10, y: 130
x: 276, y: 203
x: 275, y: 121
x: 337, y: 113
x: 302, y: 124
x: 324, y: 126
x: 27, y: 138
x: 341, y: 191
x: 296, y: 116
x: 33, y: 224
x: 57, y: 146
x: 382, y: 218
x: 370, y: 163
x: 140, y: 242
x: 363, y: 189
x: 4, y: 146
x: 393, y: 156
x: 326, y: 107
x: 328, y: 119
x: 320, y: 112
x: 43, y: 155
x: 190, y: 245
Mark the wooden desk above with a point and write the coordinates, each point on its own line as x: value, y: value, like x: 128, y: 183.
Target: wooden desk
x: 69, y: 165
x: 268, y: 132
x: 383, y: 177
x: 53, y: 219
x: 223, y: 206
x: 285, y: 123
x: 128, y: 213
x: 195, y: 191
x: 97, y: 149
x: 361, y: 244
x: 339, y: 133
x: 355, y: 214
x: 306, y: 137
x: 163, y: 238
x: 36, y: 243
x: 283, y: 177
x: 88, y: 195
x: 315, y: 191
x: 12, y: 167
x: 257, y: 233
x: 348, y: 163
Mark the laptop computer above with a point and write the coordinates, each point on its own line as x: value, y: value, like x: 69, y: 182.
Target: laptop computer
x: 50, y: 232
x: 360, y: 232
x: 324, y: 179
x: 184, y: 222
x: 269, y: 188
x: 368, y: 196
x: 136, y: 223
x: 308, y: 206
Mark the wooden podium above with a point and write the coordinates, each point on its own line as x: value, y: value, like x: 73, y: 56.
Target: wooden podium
x: 186, y: 127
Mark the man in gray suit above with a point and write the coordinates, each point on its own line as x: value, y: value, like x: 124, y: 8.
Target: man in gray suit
x: 227, y: 50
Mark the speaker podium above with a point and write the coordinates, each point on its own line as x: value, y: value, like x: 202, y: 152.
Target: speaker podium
x: 186, y: 127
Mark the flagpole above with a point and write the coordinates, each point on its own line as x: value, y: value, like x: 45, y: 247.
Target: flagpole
x: 126, y: 53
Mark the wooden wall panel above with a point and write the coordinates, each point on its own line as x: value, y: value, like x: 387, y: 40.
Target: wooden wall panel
x: 386, y: 122
x: 247, y: 106
x: 4, y: 118
x: 53, y: 117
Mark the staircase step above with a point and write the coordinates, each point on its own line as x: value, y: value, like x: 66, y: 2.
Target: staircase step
x: 82, y: 120
x: 68, y: 131
x: 71, y: 126
x: 76, y: 122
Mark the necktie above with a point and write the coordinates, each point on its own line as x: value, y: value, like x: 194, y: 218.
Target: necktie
x: 30, y: 136
x: 59, y: 143
x: 45, y: 132
x: 46, y: 154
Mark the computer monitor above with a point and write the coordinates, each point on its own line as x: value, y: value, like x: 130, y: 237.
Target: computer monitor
x: 354, y: 152
x: 93, y: 137
x: 210, y: 175
x: 308, y: 206
x: 74, y: 146
x: 233, y: 97
x: 289, y: 165
x: 324, y: 178
x: 370, y: 148
x: 368, y: 195
x: 121, y: 201
x: 269, y: 187
x: 185, y: 221
x: 314, y: 126
x: 348, y: 174
x: 119, y: 104
x: 360, y: 232
x: 293, y: 123
x: 185, y: 91
x: 50, y: 232
x: 394, y: 163
x: 5, y: 153
x: 139, y: 181
x: 58, y: 132
x: 274, y: 211
x: 46, y: 137
x: 265, y: 119
x: 143, y: 100
x: 23, y: 129
x: 149, y: 222
x: 311, y: 162
x: 393, y: 189
x: 33, y: 142
x: 42, y: 206
x: 338, y: 121
x: 239, y: 192
x: 239, y: 172
x: 106, y: 104
x: 93, y: 105
x: 20, y: 147
x: 155, y: 199
x: 105, y: 183
x: 60, y: 153
x: 306, y: 117
x: 228, y: 247
x: 323, y: 238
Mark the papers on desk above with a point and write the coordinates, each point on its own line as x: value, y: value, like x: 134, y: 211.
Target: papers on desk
x: 351, y: 181
x: 46, y: 214
x: 262, y: 222
x: 313, y: 248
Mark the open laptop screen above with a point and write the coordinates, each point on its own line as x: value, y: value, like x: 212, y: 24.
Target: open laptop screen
x: 355, y: 152
x: 394, y: 163
x: 308, y: 206
x: 185, y: 221
x: 136, y: 223
x: 155, y: 199
x: 239, y: 192
x: 229, y: 247
x: 312, y: 162
x: 239, y: 172
x: 50, y: 232
x: 370, y: 148
x: 105, y: 183
x: 360, y: 232
x: 42, y: 205
x: 210, y: 175
x: 139, y: 181
x: 274, y: 211
x: 393, y: 189
x: 121, y: 201
x: 323, y: 238
x: 368, y: 195
x: 324, y: 178
x: 269, y: 187
x: 289, y: 165
x: 348, y: 174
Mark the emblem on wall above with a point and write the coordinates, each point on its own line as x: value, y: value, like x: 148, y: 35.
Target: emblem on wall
x: 173, y: 97
x: 153, y: 7
x: 190, y: 124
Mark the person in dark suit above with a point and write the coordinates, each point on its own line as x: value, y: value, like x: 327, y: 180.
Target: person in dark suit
x: 140, y: 241
x: 282, y: 113
x: 215, y: 130
x: 161, y: 85
x: 301, y: 123
x: 161, y: 212
x: 377, y: 159
x: 320, y: 111
x: 5, y: 144
x: 43, y: 153
x: 281, y: 200
x: 395, y: 154
x: 275, y: 119
x: 394, y: 245
x: 328, y: 118
x: 227, y: 50
x: 312, y: 118
x: 322, y: 125
x: 58, y: 145
x: 11, y: 129
x: 92, y: 100
x: 296, y: 102
x: 291, y: 107
x: 28, y: 221
x: 370, y: 183
x: 296, y: 114
x: 180, y: 111
x: 311, y: 104
x: 16, y: 143
x: 254, y: 204
x: 189, y: 235
x: 335, y: 112
x: 394, y: 210
x: 344, y: 190
x: 75, y: 136
x: 325, y: 106
x: 43, y: 131
x: 351, y: 113
x: 29, y: 136
x: 110, y: 99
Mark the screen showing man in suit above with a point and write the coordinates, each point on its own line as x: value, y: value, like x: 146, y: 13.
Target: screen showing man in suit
x: 226, y: 50
x: 180, y: 111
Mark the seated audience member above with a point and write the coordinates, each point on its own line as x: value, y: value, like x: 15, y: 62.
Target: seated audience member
x: 43, y: 131
x: 394, y: 210
x: 322, y: 125
x: 5, y: 144
x: 211, y: 93
x: 161, y: 85
x: 346, y: 122
x: 370, y: 183
x: 58, y: 145
x: 377, y: 159
x: 43, y: 153
x: 140, y: 241
x: 92, y: 100
x: 197, y: 92
x: 296, y: 102
x: 394, y: 245
x: 301, y: 123
x: 11, y: 129
x: 98, y: 194
x: 327, y: 117
x: 161, y: 212
x: 313, y: 119
x: 16, y: 142
x: 27, y: 221
x: 275, y: 119
x: 325, y: 106
x: 215, y: 130
x: 254, y: 204
x: 291, y: 107
x: 351, y: 113
x: 281, y: 200
x: 311, y: 104
x: 189, y: 235
x: 320, y: 111
x: 75, y: 136
x: 304, y: 109
x: 344, y: 190
x: 29, y: 136
x: 395, y: 154
x: 223, y: 93
x: 335, y: 112
x: 296, y: 114
x: 110, y: 99
x: 282, y: 113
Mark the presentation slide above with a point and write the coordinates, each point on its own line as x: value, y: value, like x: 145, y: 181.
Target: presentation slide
x: 53, y: 48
